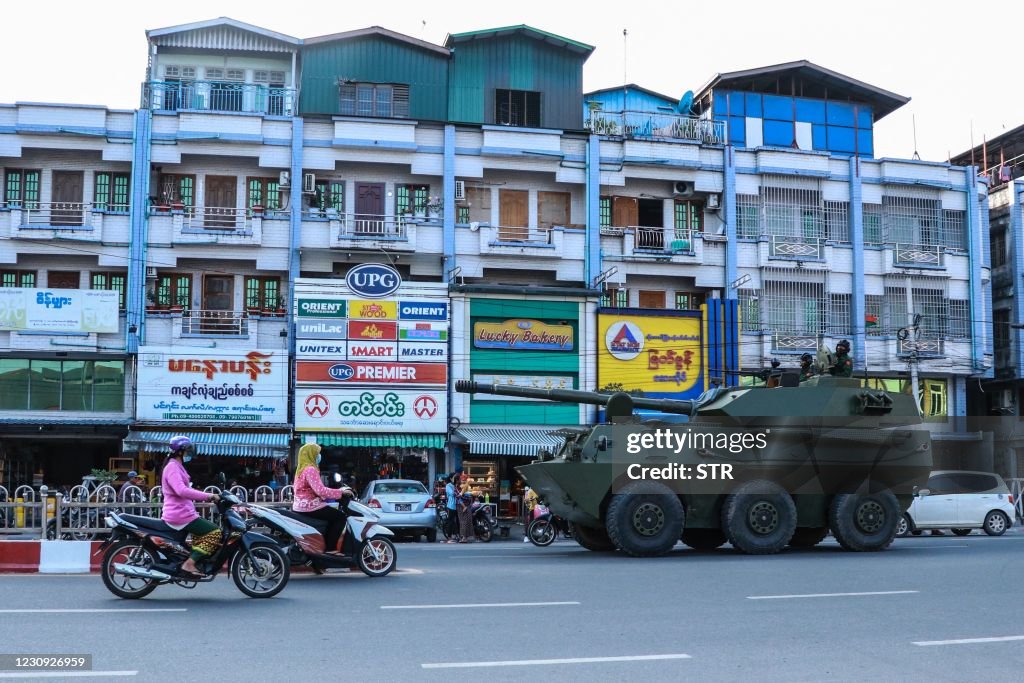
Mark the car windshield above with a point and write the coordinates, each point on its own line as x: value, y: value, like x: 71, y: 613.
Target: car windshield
x: 400, y: 487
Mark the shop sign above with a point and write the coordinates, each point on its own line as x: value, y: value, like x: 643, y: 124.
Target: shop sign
x: 361, y: 372
x: 176, y: 384
x: 521, y: 334
x: 373, y: 281
x: 372, y: 331
x: 528, y: 381
x: 59, y: 310
x: 422, y: 351
x: 423, y: 310
x: 320, y: 328
x: 656, y: 354
x: 423, y: 332
x: 322, y: 308
x: 321, y: 349
x: 372, y: 310
x: 372, y: 350
x: 368, y: 410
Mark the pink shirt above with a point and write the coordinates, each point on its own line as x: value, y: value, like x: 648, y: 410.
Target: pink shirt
x: 179, y: 508
x: 310, y: 492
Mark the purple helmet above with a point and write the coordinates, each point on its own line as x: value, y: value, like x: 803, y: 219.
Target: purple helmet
x: 180, y: 443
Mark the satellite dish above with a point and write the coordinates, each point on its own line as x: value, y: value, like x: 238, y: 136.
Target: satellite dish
x: 686, y: 103
x: 825, y: 359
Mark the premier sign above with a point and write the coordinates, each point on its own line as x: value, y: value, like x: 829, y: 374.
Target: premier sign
x: 364, y: 372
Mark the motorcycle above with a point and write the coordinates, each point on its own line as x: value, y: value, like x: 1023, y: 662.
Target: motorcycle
x: 545, y: 526
x: 484, y: 522
x: 364, y: 541
x: 142, y: 553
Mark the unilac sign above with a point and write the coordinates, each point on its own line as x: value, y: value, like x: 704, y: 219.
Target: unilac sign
x: 362, y: 331
x: 531, y: 335
x: 362, y: 372
x: 320, y: 328
x: 372, y: 310
x: 657, y: 354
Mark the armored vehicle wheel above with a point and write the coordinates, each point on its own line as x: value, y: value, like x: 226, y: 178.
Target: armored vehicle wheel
x: 645, y: 519
x: 864, y: 521
x: 961, y: 532
x: 704, y: 539
x: 808, y: 537
x: 592, y: 539
x: 759, y: 517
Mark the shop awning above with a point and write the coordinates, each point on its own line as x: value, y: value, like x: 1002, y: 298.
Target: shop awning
x: 379, y: 440
x: 522, y: 441
x: 239, y: 444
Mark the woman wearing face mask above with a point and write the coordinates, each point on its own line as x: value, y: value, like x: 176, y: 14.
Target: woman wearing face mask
x: 311, y: 495
x: 179, y: 505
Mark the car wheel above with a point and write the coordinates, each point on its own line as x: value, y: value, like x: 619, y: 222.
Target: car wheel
x: 961, y: 532
x: 864, y: 521
x: 645, y: 519
x: 996, y: 523
x: 905, y: 527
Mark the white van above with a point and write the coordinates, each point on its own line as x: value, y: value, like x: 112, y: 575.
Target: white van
x: 960, y: 501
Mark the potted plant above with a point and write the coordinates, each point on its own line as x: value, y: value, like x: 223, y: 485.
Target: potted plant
x: 252, y: 309
x: 178, y: 205
x: 257, y: 210
x: 151, y: 303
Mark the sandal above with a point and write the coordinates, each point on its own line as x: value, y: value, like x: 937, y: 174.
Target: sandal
x: 192, y: 576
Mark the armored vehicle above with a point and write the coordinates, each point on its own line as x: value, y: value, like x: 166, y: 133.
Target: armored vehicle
x: 834, y: 456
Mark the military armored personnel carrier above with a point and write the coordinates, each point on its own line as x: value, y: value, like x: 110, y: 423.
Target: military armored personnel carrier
x: 838, y: 457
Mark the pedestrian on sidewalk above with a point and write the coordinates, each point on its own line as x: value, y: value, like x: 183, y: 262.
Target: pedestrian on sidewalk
x: 530, y: 503
x: 466, y: 533
x: 451, y: 500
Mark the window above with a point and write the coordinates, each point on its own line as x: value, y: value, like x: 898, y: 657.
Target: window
x: 839, y: 315
x: 959, y: 318
x: 179, y: 91
x: 750, y: 310
x: 872, y: 218
x: 651, y: 299
x: 998, y: 248
x: 21, y: 187
x: 179, y: 72
x: 689, y: 301
x: 837, y: 221
x: 72, y: 385
x: 178, y: 189
x: 18, y: 278
x: 748, y: 213
x: 553, y: 209
x: 605, y: 212
x: 411, y: 199
x: 615, y: 298
x: 383, y: 100
x: 689, y: 218
x: 1001, y: 330
x: 263, y: 192
x: 272, y: 78
x: 262, y: 293
x: 462, y: 215
x: 517, y: 108
x: 114, y: 281
x: 111, y: 192
x: 873, y: 305
x: 953, y: 225
x: 174, y: 289
x: 941, y: 484
x: 971, y: 482
x: 328, y: 194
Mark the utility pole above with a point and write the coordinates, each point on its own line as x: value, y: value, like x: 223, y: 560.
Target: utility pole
x: 912, y: 360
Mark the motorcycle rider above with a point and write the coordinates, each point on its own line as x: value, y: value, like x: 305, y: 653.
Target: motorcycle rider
x: 311, y: 495
x: 179, y: 510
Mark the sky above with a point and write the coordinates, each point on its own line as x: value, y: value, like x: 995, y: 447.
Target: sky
x: 84, y: 53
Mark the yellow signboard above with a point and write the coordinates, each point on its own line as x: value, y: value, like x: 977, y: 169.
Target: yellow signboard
x: 522, y: 334
x: 360, y: 309
x: 656, y: 354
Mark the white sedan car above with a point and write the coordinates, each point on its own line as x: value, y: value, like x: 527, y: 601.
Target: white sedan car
x: 960, y: 501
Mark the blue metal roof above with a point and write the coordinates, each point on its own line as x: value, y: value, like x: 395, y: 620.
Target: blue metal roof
x: 514, y: 441
x: 239, y: 444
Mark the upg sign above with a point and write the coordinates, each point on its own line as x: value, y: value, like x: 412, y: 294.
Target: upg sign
x: 373, y: 281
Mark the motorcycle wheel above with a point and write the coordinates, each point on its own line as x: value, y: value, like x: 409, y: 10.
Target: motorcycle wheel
x: 381, y: 563
x: 542, y: 532
x: 264, y: 574
x: 484, y: 532
x: 127, y: 587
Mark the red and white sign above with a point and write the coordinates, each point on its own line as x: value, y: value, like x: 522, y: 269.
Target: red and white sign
x: 425, y: 406
x: 317, y: 405
x: 376, y: 330
x: 374, y: 409
x: 360, y: 372
x: 360, y: 350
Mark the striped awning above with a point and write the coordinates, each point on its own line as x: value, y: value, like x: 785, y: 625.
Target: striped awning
x: 357, y: 440
x: 254, y: 444
x: 516, y: 441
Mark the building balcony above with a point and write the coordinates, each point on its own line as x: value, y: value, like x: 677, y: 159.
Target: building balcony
x: 789, y: 342
x: 228, y: 329
x: 796, y: 248
x: 643, y: 242
x: 918, y: 255
x: 63, y: 220
x: 652, y: 125
x: 518, y: 240
x: 922, y: 347
x: 218, y: 96
x: 210, y: 225
x: 371, y: 231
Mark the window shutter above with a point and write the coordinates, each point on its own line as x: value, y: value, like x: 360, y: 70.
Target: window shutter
x: 401, y: 101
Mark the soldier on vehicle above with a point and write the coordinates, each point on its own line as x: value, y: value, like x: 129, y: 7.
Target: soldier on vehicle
x: 806, y: 367
x: 843, y: 366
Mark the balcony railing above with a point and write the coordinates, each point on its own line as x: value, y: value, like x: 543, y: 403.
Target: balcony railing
x: 784, y: 246
x: 356, y: 225
x: 216, y: 218
x: 917, y: 255
x: 227, y: 323
x: 794, y: 342
x: 516, y: 234
x: 51, y: 214
x: 663, y: 239
x: 641, y: 124
x: 218, y: 96
x: 926, y: 347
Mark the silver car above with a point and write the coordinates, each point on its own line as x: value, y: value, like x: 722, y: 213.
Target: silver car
x: 404, y: 505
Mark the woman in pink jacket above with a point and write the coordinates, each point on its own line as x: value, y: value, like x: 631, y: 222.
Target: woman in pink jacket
x: 311, y: 495
x: 179, y: 505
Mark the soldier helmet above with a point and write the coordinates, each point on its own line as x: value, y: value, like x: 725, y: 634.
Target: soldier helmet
x: 844, y: 344
x: 807, y: 358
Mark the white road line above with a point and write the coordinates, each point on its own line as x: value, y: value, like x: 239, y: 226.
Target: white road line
x: 826, y: 595
x: 968, y: 641
x: 929, y: 547
x: 65, y: 674
x: 92, y: 611
x: 491, y: 604
x: 544, y: 662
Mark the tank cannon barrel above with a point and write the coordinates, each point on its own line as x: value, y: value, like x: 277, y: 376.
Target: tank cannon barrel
x: 575, y: 396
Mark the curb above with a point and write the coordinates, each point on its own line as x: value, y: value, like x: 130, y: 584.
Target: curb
x: 49, y: 557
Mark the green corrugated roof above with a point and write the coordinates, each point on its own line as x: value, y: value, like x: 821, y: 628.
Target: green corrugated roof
x: 380, y: 440
x: 521, y: 28
x: 516, y: 441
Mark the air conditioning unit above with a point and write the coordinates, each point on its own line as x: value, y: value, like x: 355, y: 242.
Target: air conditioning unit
x: 284, y: 180
x: 682, y: 188
x: 714, y: 202
x: 150, y: 272
x: 460, y: 190
x: 308, y: 183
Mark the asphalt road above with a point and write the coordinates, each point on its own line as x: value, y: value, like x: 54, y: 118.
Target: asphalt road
x: 816, y: 615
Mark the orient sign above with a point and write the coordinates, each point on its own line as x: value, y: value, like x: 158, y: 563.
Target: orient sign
x: 373, y: 281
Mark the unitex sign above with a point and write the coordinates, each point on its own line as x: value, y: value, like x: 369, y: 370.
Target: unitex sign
x: 360, y: 372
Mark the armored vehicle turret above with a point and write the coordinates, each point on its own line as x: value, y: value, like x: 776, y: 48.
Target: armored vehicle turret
x: 760, y: 467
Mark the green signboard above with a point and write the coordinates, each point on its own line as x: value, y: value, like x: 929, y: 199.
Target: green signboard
x: 322, y: 308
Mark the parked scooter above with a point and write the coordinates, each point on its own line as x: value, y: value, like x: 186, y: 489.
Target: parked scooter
x: 544, y: 527
x: 364, y: 541
x: 142, y: 553
x: 484, y: 523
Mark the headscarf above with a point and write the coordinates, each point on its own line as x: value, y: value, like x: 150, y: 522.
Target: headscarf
x: 307, y: 458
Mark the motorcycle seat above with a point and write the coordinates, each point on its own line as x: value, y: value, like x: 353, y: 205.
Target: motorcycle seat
x: 155, y: 524
x: 318, y: 524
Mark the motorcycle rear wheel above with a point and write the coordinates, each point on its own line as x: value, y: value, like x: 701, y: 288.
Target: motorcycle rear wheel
x: 127, y: 587
x: 484, y: 532
x: 542, y: 532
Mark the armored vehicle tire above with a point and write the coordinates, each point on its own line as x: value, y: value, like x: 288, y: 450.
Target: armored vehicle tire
x: 645, y: 519
x: 808, y: 537
x: 961, y: 532
x: 864, y: 521
x: 905, y: 527
x: 704, y: 539
x: 759, y: 517
x: 592, y: 538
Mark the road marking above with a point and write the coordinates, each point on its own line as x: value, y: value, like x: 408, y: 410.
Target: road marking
x: 490, y: 604
x: 921, y: 547
x: 968, y: 641
x: 826, y: 595
x: 93, y: 611
x: 346, y: 573
x: 543, y: 662
x: 65, y: 674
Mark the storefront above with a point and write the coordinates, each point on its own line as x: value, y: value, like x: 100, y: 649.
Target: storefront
x: 371, y: 373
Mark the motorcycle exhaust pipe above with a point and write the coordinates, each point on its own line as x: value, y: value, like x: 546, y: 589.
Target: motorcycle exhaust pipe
x: 140, y: 572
